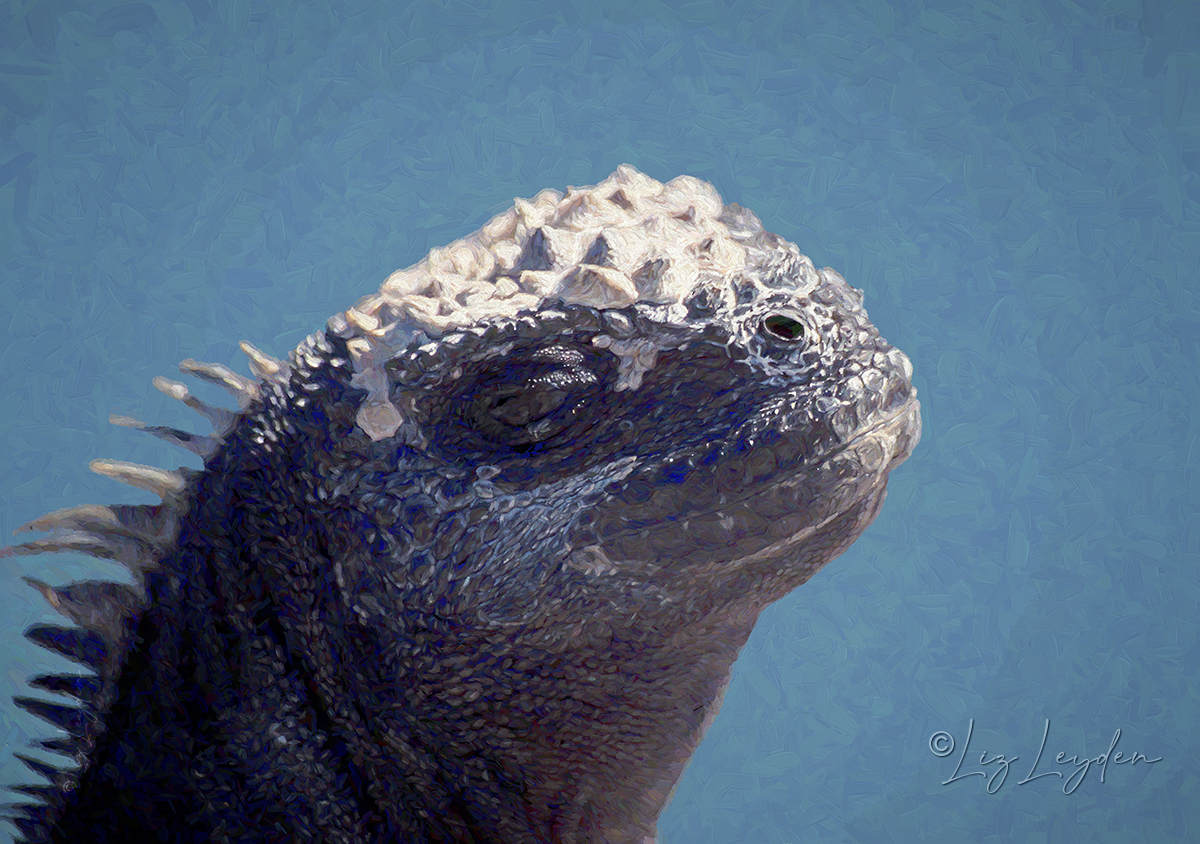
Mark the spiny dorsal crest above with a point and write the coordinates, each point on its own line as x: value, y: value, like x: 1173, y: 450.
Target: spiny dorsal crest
x: 102, y: 612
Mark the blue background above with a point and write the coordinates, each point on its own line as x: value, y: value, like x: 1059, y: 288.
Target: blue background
x: 1015, y: 186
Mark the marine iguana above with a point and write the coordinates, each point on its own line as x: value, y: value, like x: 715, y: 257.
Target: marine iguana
x: 474, y: 563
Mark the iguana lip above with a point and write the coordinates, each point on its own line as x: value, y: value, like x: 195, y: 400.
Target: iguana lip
x: 903, y: 438
x: 780, y: 512
x: 906, y: 438
x: 900, y: 431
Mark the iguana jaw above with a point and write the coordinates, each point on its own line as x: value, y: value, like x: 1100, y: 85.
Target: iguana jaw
x: 707, y: 522
x: 875, y: 452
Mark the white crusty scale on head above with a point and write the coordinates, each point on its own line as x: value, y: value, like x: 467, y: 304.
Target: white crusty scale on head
x: 627, y: 239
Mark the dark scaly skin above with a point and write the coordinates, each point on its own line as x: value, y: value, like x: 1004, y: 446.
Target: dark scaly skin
x: 512, y: 620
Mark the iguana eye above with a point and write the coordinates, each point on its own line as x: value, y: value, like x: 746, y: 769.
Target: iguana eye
x: 780, y: 327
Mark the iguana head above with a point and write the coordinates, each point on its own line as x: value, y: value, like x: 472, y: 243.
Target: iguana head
x: 489, y: 544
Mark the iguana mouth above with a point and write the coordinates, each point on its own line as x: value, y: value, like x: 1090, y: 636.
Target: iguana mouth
x: 893, y: 437
x: 905, y: 438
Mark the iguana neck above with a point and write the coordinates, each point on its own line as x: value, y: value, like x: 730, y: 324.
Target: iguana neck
x: 260, y: 700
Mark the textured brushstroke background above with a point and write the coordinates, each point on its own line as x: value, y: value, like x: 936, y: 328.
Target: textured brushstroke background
x: 1015, y: 186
